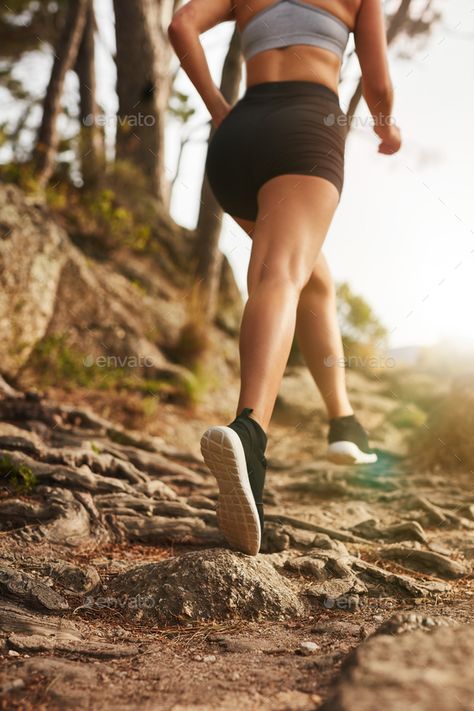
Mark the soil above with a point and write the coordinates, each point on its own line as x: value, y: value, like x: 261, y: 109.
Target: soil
x: 382, y: 549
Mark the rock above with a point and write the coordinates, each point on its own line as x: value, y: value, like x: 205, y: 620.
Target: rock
x: 19, y: 585
x: 419, y: 671
x: 28, y: 284
x: 74, y: 578
x: 403, y: 622
x: 209, y: 658
x: 341, y: 593
x: 275, y: 539
x: 41, y: 275
x: 322, y: 564
x: 307, y: 648
x: 210, y: 584
x: 306, y: 565
x: 13, y: 653
x: 325, y: 542
x: 299, y: 538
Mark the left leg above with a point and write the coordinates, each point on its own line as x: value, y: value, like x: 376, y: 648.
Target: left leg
x: 319, y: 338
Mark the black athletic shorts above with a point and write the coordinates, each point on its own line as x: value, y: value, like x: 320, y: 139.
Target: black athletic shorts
x: 276, y: 128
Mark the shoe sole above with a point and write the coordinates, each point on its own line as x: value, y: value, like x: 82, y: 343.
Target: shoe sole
x: 237, y: 514
x: 346, y: 452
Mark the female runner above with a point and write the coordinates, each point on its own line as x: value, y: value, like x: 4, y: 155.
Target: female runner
x: 276, y: 165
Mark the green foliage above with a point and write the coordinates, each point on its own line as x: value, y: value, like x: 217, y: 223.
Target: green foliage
x: 358, y: 322
x: 445, y: 440
x: 20, y: 477
x: 407, y: 416
x: 364, y: 336
x: 55, y: 363
x: 196, y: 385
x: 113, y: 218
x: 117, y: 213
x: 179, y: 106
x: 21, y: 174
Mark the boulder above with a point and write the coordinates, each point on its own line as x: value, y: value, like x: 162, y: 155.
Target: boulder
x: 417, y: 670
x: 211, y: 584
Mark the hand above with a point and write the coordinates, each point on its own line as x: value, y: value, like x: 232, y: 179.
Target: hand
x: 390, y: 139
x: 220, y: 111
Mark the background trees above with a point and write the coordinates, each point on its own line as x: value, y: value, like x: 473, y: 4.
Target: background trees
x: 145, y: 89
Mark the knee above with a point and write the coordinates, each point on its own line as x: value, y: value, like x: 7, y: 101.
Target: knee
x: 278, y: 277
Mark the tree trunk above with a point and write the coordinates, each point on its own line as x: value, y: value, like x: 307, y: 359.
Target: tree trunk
x: 143, y: 87
x: 209, y: 257
x: 65, y: 56
x: 91, y: 137
x: 395, y: 25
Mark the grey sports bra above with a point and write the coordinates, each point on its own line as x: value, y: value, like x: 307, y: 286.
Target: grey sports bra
x: 289, y: 22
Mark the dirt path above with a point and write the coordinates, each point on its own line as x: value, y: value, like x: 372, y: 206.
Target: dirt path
x: 116, y: 590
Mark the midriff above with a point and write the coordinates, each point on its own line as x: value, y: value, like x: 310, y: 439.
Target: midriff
x: 297, y: 62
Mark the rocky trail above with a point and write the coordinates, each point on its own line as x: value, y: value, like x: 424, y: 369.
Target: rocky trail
x: 117, y: 591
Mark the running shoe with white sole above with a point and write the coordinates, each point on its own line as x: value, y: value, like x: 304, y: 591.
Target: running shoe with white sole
x: 235, y: 456
x: 348, y: 442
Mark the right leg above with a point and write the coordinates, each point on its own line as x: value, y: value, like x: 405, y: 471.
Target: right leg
x: 319, y: 335
x: 293, y: 218
x: 290, y: 228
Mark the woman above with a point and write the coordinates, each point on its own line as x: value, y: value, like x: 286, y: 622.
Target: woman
x: 276, y: 164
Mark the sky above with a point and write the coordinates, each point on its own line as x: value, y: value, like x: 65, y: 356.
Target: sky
x: 403, y: 233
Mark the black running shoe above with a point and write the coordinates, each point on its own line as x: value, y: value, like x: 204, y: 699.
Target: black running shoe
x: 235, y: 456
x: 348, y: 442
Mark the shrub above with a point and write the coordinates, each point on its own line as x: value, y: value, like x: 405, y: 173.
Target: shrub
x: 446, y: 439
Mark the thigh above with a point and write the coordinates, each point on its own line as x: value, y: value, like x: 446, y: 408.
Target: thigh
x: 320, y: 276
x: 294, y: 215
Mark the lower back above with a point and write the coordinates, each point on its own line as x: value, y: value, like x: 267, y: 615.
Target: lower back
x: 295, y: 63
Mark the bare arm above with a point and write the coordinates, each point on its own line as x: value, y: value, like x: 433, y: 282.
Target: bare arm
x: 187, y: 24
x: 371, y: 47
